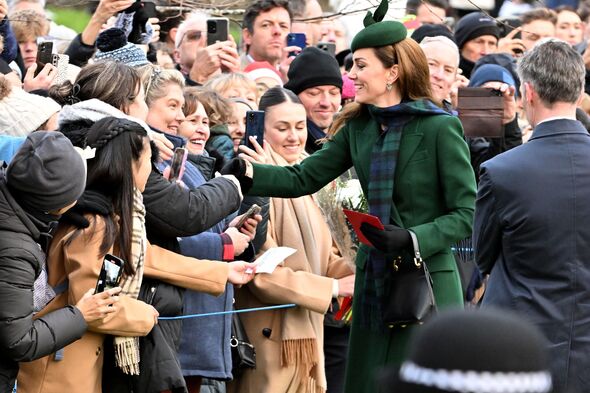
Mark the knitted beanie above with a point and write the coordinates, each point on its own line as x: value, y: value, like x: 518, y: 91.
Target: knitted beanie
x: 47, y: 173
x: 22, y: 112
x: 262, y: 69
x: 112, y: 44
x: 473, y: 25
x: 429, y: 30
x: 490, y: 73
x: 313, y: 67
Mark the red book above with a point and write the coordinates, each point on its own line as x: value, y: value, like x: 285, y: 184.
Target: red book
x: 357, y: 218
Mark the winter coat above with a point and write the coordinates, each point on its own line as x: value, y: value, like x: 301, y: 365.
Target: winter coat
x: 434, y: 196
x: 24, y: 337
x: 221, y: 142
x: 80, y: 261
x: 532, y: 235
x: 79, y: 52
x: 10, y: 44
x: 173, y: 211
x: 204, y: 346
x: 306, y: 278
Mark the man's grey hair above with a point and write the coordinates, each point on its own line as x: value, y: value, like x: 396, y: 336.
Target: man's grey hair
x: 555, y: 70
x: 441, y: 40
x: 193, y: 16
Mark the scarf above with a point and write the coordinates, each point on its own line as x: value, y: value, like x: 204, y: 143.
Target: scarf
x: 380, y: 198
x: 127, y: 348
x: 301, y: 329
x: 315, y: 135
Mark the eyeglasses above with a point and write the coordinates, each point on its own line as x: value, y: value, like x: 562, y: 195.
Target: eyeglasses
x: 191, y: 36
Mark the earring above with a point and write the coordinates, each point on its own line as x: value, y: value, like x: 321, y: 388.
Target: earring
x: 389, y: 86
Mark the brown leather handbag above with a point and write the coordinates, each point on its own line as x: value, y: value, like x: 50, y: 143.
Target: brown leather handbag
x: 481, y: 111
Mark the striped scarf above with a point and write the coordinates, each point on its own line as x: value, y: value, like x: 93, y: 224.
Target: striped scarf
x: 127, y: 348
x: 380, y: 197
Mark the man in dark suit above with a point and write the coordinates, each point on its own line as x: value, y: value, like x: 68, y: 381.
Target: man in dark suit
x: 532, y: 221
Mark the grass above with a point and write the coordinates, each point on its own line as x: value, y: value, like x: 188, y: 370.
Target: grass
x: 73, y: 18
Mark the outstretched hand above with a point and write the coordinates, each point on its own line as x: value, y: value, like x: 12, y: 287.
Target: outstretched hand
x: 241, y: 272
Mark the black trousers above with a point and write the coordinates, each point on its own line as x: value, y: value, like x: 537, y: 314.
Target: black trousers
x: 336, y: 354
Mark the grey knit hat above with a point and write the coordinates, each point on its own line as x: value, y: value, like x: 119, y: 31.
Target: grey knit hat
x: 47, y: 173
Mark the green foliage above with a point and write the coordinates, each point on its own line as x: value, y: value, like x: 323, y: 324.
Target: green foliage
x: 73, y: 18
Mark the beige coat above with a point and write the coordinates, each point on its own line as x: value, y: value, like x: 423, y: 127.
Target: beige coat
x: 311, y: 292
x: 80, y: 262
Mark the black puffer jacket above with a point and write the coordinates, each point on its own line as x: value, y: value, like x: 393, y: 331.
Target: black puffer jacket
x: 21, y: 337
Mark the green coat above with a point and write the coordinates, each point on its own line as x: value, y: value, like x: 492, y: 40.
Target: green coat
x: 434, y: 195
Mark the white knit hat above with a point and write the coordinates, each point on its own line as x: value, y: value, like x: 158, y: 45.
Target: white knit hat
x: 23, y: 113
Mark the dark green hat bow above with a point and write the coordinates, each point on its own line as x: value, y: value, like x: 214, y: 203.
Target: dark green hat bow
x: 377, y: 32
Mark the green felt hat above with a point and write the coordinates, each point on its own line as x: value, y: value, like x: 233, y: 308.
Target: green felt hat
x: 378, y: 33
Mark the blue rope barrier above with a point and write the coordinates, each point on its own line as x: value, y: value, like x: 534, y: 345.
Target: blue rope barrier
x: 210, y: 314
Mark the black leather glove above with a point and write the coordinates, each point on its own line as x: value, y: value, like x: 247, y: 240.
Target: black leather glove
x: 389, y: 240
x: 237, y: 167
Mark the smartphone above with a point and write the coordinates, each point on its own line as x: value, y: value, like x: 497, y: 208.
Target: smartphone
x: 110, y: 273
x: 250, y: 213
x: 329, y: 47
x: 296, y: 39
x: 45, y: 55
x: 254, y: 128
x: 217, y: 30
x: 178, y: 163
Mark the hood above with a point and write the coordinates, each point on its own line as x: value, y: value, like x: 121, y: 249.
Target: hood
x: 12, y: 217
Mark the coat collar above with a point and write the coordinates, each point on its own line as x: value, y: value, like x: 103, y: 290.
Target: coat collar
x: 558, y: 127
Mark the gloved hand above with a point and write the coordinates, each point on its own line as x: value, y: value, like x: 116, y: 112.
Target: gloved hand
x: 391, y: 239
x: 238, y: 167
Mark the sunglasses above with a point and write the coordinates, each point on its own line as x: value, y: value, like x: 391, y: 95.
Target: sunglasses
x: 191, y: 36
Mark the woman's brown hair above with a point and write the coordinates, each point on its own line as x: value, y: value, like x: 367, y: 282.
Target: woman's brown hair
x: 112, y: 82
x: 413, y: 79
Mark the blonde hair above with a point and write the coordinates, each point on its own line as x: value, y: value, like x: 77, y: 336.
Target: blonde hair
x: 27, y: 25
x: 224, y: 82
x: 219, y: 109
x: 155, y: 80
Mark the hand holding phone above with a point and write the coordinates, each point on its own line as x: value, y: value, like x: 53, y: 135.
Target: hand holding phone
x: 296, y: 39
x: 217, y: 30
x: 254, y: 128
x: 329, y: 47
x: 45, y: 55
x: 250, y: 213
x: 178, y: 163
x: 110, y: 273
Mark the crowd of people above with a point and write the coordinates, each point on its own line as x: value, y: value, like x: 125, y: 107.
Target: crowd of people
x: 90, y: 143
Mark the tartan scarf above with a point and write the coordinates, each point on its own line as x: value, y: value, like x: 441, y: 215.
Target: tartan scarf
x: 127, y: 348
x: 380, y: 197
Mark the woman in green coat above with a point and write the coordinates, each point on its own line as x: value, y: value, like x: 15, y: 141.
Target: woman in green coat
x: 413, y: 165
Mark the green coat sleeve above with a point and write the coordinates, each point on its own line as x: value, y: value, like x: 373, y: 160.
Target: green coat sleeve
x: 458, y: 192
x: 308, y: 177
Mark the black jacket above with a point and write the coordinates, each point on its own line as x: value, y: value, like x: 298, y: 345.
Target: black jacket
x: 482, y: 149
x: 171, y: 211
x: 21, y: 337
x: 79, y: 52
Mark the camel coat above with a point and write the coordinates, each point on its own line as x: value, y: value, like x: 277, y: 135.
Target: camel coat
x: 312, y: 293
x: 80, y: 262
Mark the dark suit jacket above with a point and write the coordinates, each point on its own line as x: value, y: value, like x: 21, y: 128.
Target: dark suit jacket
x: 532, y: 233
